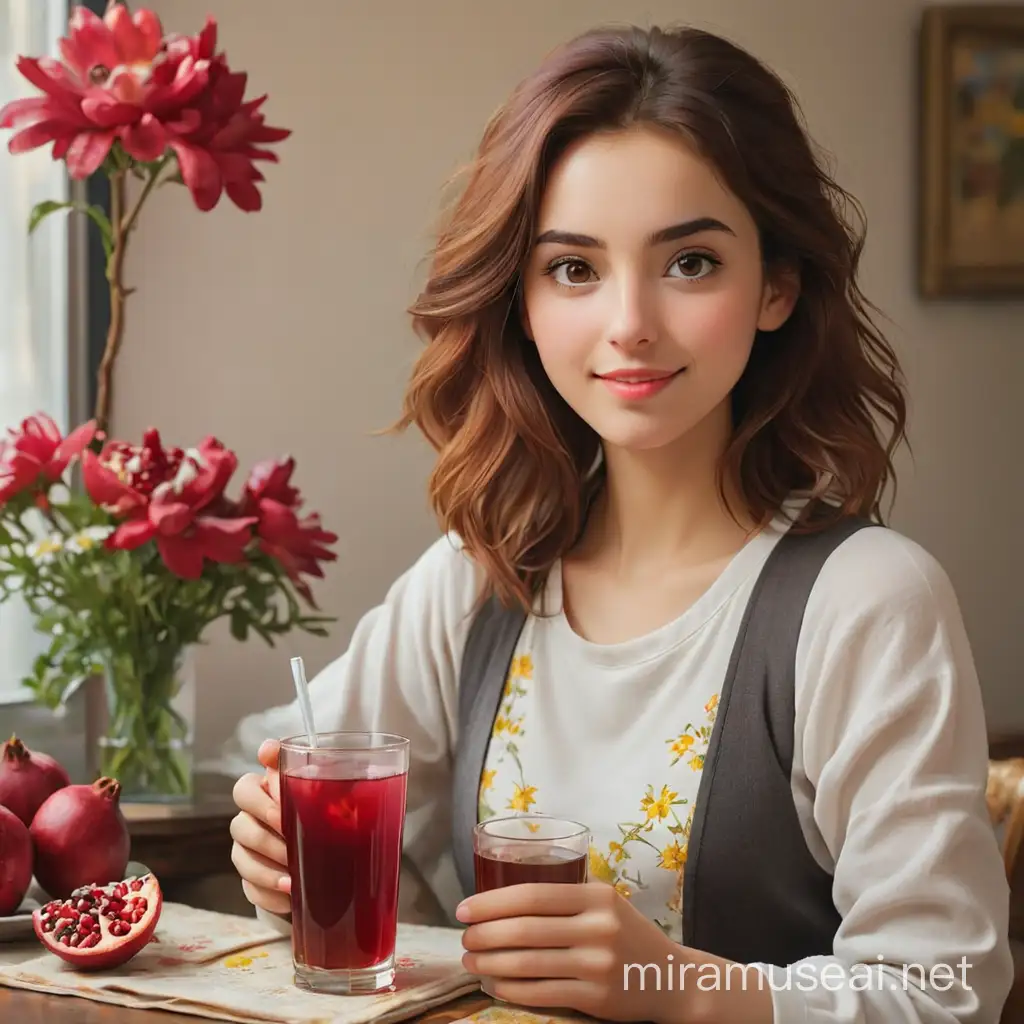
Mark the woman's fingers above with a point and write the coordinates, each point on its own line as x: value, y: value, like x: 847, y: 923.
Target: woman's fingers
x: 254, y: 835
x: 258, y: 851
x: 272, y: 784
x: 268, y: 754
x: 251, y: 797
x: 266, y: 899
x: 259, y: 870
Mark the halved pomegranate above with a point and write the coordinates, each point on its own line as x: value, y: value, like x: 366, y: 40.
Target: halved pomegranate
x: 100, y: 926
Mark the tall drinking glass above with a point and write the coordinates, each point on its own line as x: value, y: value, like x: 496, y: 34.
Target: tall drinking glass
x: 343, y: 815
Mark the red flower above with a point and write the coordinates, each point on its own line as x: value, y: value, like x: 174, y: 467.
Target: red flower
x: 172, y: 498
x: 217, y: 148
x: 270, y: 479
x: 36, y: 455
x: 122, y: 477
x: 298, y: 544
x: 121, y: 80
x: 118, y: 81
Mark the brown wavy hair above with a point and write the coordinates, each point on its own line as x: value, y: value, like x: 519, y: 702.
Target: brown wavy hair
x: 512, y: 477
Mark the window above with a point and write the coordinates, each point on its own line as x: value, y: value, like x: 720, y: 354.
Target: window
x: 35, y: 370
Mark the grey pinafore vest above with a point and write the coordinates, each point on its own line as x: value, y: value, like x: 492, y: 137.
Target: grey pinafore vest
x: 752, y: 891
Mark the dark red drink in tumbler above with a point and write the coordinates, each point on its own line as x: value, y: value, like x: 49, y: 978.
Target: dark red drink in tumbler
x: 514, y: 865
x: 529, y: 848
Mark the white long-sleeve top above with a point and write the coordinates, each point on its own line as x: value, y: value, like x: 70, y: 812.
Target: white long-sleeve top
x: 889, y: 769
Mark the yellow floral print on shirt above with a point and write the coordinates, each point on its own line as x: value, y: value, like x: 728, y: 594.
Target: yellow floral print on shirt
x: 665, y: 817
x: 507, y: 729
x: 659, y: 809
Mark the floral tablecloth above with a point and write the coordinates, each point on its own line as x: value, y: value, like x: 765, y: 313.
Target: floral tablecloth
x: 230, y: 968
x: 506, y: 1014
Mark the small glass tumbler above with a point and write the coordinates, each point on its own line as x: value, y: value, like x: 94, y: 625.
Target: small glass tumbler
x: 528, y: 848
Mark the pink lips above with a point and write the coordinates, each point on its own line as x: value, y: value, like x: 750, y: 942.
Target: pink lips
x: 637, y: 384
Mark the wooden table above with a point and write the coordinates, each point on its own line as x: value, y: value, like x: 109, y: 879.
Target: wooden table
x: 21, y: 1007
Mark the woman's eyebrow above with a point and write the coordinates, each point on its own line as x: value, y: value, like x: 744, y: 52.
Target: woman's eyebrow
x: 670, y: 234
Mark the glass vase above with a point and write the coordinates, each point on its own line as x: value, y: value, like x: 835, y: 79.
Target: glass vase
x: 147, y: 744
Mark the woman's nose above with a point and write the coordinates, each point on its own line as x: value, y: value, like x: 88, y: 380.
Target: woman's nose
x: 633, y: 321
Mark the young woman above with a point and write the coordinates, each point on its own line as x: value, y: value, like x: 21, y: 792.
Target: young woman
x: 647, y: 364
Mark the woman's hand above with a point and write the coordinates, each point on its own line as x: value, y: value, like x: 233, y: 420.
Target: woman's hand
x: 585, y: 948
x: 258, y: 851
x: 569, y: 946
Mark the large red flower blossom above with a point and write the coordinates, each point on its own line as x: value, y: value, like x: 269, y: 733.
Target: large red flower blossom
x: 299, y: 544
x: 36, y: 455
x: 116, y: 82
x: 121, y: 80
x: 172, y: 499
x: 217, y: 148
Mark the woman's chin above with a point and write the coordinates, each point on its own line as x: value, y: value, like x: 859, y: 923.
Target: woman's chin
x: 640, y: 441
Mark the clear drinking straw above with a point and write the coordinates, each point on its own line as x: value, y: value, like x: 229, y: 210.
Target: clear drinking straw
x: 302, y: 692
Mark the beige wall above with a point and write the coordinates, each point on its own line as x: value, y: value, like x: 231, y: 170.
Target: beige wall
x: 285, y: 331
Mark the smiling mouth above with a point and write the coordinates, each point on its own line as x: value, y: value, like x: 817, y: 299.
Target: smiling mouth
x: 638, y: 377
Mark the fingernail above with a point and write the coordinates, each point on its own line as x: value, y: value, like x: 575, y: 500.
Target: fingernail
x: 284, y: 883
x: 462, y: 911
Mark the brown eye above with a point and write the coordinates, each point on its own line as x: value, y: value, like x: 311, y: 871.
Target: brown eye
x: 570, y: 273
x: 695, y: 266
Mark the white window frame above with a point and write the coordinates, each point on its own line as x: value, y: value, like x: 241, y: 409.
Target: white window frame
x: 42, y: 292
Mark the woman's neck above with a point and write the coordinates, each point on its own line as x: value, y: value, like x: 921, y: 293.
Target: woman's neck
x: 661, y: 508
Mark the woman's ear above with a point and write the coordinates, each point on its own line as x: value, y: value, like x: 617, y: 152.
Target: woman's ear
x: 781, y: 291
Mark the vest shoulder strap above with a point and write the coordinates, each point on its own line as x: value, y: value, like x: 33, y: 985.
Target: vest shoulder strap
x: 752, y: 890
x: 486, y: 659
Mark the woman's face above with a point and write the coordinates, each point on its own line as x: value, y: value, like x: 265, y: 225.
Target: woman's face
x: 645, y: 288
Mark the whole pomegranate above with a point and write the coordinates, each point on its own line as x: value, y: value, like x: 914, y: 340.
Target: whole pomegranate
x: 15, y: 861
x: 27, y: 778
x: 80, y: 838
x: 101, y: 926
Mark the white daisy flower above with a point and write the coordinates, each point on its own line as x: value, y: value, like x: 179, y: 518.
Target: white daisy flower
x: 88, y: 539
x: 46, y: 549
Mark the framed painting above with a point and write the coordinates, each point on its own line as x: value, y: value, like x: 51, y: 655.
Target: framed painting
x: 971, y: 170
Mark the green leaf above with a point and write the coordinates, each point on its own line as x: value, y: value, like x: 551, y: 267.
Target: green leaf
x: 239, y: 625
x: 99, y: 217
x: 265, y: 636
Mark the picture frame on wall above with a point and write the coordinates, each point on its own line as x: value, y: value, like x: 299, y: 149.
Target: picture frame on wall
x: 971, y: 160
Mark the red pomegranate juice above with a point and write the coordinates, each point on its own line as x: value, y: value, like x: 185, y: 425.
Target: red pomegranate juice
x: 344, y: 839
x: 518, y: 863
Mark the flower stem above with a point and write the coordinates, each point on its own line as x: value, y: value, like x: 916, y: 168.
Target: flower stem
x: 147, y: 745
x: 122, y: 225
x: 115, y: 278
